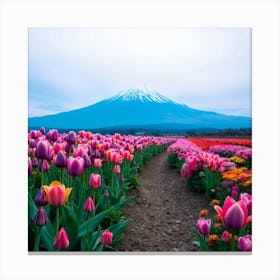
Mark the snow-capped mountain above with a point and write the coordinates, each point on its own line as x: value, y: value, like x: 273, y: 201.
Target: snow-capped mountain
x: 139, y: 108
x: 143, y: 94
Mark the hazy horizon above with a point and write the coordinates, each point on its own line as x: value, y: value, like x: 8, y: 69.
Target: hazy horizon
x: 203, y: 68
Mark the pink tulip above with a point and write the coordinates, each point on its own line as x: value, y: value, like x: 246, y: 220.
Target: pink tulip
x: 117, y: 169
x: 97, y: 163
x: 226, y: 236
x: 203, y: 226
x: 89, y: 205
x: 106, y: 237
x: 61, y: 240
x: 245, y: 243
x: 247, y: 198
x: 95, y: 181
x: 234, y: 214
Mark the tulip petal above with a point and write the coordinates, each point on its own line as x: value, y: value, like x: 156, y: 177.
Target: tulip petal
x: 67, y: 193
x: 56, y: 183
x: 46, y: 189
x: 228, y: 203
x: 248, y: 220
x: 219, y: 211
x: 234, y: 217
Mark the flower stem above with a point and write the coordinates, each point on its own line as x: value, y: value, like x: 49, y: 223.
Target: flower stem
x: 42, y: 177
x: 57, y: 220
x: 88, y: 232
x: 37, y: 239
x: 232, y: 241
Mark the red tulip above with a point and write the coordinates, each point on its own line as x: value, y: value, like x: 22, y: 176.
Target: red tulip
x: 106, y: 237
x: 61, y: 240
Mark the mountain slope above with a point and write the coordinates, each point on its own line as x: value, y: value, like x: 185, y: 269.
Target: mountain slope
x: 140, y: 108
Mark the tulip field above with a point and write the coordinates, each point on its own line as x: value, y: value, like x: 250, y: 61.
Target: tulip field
x: 80, y: 182
x: 221, y: 169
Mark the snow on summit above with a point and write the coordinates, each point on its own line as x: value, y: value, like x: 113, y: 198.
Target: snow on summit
x: 143, y: 94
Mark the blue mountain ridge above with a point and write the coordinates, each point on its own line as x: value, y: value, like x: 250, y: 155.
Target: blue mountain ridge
x: 139, y: 108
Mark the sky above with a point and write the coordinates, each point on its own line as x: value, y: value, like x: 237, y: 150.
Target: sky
x: 204, y: 68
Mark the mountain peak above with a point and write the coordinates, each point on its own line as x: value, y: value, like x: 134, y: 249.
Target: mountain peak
x: 142, y: 94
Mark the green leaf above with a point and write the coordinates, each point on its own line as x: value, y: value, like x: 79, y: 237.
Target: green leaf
x: 32, y: 208
x: 203, y: 244
x: 48, y: 236
x: 93, y: 222
x: 71, y: 225
x: 196, y: 243
x: 123, y: 201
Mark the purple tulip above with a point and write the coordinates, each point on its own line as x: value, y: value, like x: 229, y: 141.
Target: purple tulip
x: 87, y: 161
x: 35, y: 162
x: 203, y: 225
x: 52, y: 135
x: 46, y: 166
x: 43, y: 149
x: 245, y: 243
x: 247, y: 198
x: 75, y: 166
x: 43, y: 130
x: 41, y: 198
x: 71, y: 138
x: 41, y: 217
x: 61, y: 160
x: 32, y: 143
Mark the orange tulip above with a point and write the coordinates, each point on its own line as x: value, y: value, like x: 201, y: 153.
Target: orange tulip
x: 56, y: 193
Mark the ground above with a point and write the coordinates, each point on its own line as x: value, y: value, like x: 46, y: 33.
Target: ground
x: 164, y: 211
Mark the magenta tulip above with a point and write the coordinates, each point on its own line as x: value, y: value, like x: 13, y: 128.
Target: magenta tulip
x: 203, y: 225
x: 95, y: 181
x: 75, y: 166
x: 117, y: 169
x: 247, y: 198
x: 245, y: 243
x: 89, y: 205
x: 234, y: 214
x: 106, y: 237
x: 226, y: 236
x: 61, y: 240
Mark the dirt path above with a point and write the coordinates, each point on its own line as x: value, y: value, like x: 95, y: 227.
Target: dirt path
x: 164, y: 211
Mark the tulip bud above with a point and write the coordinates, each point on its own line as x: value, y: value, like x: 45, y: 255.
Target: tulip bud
x: 41, y: 217
x: 226, y: 236
x: 245, y: 243
x: 43, y: 130
x: 203, y: 226
x: 106, y: 194
x: 87, y: 161
x: 40, y: 198
x: 97, y: 162
x: 46, y: 166
x: 32, y: 143
x: 106, y: 237
x: 43, y: 149
x: 61, y: 240
x: 89, y: 205
x: 71, y: 138
x: 117, y: 169
x: 35, y: 162
x: 61, y: 160
x: 95, y: 181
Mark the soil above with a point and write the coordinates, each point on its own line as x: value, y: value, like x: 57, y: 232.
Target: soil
x: 164, y: 212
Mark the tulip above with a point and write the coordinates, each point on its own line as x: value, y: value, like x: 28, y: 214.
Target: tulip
x: 203, y: 226
x: 117, y: 169
x: 247, y: 198
x: 71, y: 138
x: 95, y: 181
x: 226, y: 236
x: 52, y: 135
x: 87, y: 161
x: 245, y: 243
x: 89, y: 205
x: 43, y: 149
x: 97, y: 162
x: 43, y: 130
x: 61, y: 160
x: 106, y: 237
x: 32, y: 143
x: 46, y: 166
x: 75, y: 166
x: 56, y: 194
x: 41, y: 217
x: 106, y: 194
x: 29, y: 167
x: 61, y: 240
x: 35, y: 162
x: 40, y: 198
x: 234, y: 214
